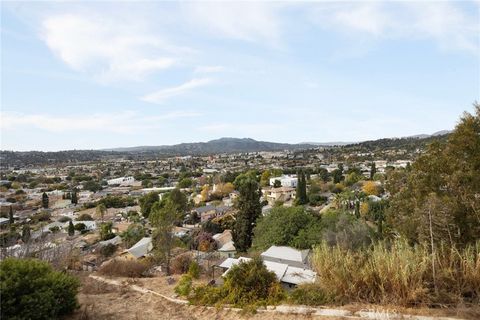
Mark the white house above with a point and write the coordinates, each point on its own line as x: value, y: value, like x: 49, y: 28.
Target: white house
x: 122, y: 181
x: 285, y: 181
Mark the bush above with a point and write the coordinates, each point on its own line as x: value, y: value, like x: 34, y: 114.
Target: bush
x: 108, y: 250
x: 181, y: 263
x: 246, y: 284
x: 194, y: 270
x: 80, y: 227
x: 184, y: 286
x: 31, y: 289
x: 64, y: 219
x: 310, y: 295
x: 124, y: 268
x: 84, y: 217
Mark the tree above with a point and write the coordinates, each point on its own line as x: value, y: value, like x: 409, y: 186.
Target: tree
x: 287, y: 226
x: 71, y: 229
x: 106, y: 231
x: 249, y: 209
x: 31, y: 289
x: 442, y: 186
x: 301, y: 195
x: 74, y: 197
x: 204, y: 192
x: 45, y: 200
x: 85, y: 217
x: 337, y: 175
x: 146, y: 203
x: 163, y: 218
x: 134, y: 233
x: 10, y: 216
x: 265, y: 178
x: 26, y: 233
x: 101, y: 210
x: 373, y: 170
x: 277, y: 184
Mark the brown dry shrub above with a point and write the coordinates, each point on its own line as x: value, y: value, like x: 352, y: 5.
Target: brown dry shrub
x: 92, y: 286
x: 125, y: 268
x: 181, y: 263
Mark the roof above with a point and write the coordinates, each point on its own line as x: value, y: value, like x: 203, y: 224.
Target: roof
x: 222, y: 238
x: 116, y: 240
x: 229, y: 246
x: 141, y: 248
x: 3, y: 220
x: 286, y: 253
x: 298, y: 275
x: 278, y: 268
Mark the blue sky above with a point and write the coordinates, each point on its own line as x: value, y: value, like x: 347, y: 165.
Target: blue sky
x: 88, y: 75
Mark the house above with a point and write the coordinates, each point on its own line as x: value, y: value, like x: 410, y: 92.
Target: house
x: 139, y: 250
x: 285, y: 181
x: 115, y: 241
x: 3, y: 221
x: 290, y: 276
x: 282, y: 194
x: 225, y: 243
x: 122, y: 181
x: 287, y: 255
x: 210, y: 211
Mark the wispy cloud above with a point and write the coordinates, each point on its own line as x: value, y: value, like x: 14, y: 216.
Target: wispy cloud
x: 122, y: 122
x: 107, y: 48
x: 161, y: 95
x: 443, y: 22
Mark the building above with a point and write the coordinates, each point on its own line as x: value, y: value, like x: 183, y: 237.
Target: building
x: 139, y: 250
x: 285, y: 181
x: 288, y: 264
x: 122, y: 181
x: 282, y: 194
x: 225, y: 243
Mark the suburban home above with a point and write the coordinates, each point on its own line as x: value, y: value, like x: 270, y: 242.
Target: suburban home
x: 285, y: 181
x: 225, y: 245
x: 209, y: 212
x: 282, y: 194
x: 122, y: 181
x: 139, y: 250
x: 288, y: 264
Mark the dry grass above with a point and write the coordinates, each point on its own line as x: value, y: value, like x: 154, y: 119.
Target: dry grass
x: 125, y: 268
x: 400, y: 275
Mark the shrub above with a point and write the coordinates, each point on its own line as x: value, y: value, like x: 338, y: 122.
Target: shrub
x: 124, y: 268
x: 64, y: 219
x: 184, y: 286
x: 85, y: 217
x: 246, y: 284
x: 194, y: 270
x: 31, y: 289
x: 310, y: 295
x: 108, y: 250
x: 80, y: 227
x: 181, y: 263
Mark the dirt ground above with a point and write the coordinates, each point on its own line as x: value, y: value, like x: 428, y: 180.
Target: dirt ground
x: 103, y: 301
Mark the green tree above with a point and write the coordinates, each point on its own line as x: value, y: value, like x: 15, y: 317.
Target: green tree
x: 249, y: 209
x: 31, y: 289
x: 101, y: 210
x: 106, y: 231
x: 265, y: 178
x: 277, y: 184
x: 301, y: 194
x: 11, y: 220
x: 74, y: 197
x: 163, y: 218
x: 71, y: 229
x: 287, y: 226
x: 373, y: 170
x: 442, y: 187
x: 26, y: 233
x: 45, y: 200
x: 146, y: 203
x: 134, y: 233
x: 337, y: 175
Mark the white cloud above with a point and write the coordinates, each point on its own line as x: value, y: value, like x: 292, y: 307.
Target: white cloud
x: 443, y: 22
x: 107, y: 48
x: 122, y: 122
x: 161, y: 95
x: 249, y: 21
x: 209, y: 69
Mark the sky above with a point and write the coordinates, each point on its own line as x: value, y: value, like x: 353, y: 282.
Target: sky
x: 91, y: 74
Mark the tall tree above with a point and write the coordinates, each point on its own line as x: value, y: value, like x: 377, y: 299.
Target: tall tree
x: 71, y: 229
x: 45, y: 200
x: 74, y: 197
x: 100, y: 210
x: 163, y: 218
x: 10, y: 216
x: 26, y: 233
x: 301, y: 193
x: 373, y: 170
x: 249, y: 209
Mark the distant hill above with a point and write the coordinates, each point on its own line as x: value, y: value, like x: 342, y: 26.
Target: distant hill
x: 222, y: 145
